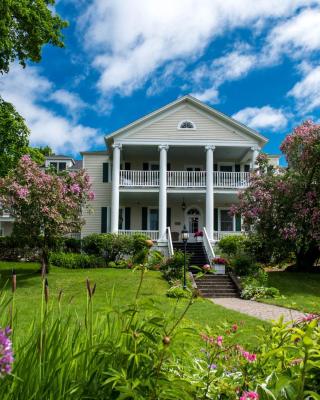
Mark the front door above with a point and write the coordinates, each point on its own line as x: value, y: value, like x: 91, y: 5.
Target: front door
x: 193, y: 220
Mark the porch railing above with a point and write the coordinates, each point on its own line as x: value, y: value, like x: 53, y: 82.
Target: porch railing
x: 169, y: 239
x: 208, y: 246
x: 217, y: 235
x: 184, y: 179
x: 153, y: 235
x: 231, y: 179
x: 139, y: 178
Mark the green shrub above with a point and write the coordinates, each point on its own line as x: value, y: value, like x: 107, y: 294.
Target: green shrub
x: 76, y: 261
x: 173, y: 267
x: 243, y: 264
x: 155, y: 260
x: 114, y: 247
x: 71, y: 245
x: 232, y: 244
x: 257, y: 248
x: 251, y: 292
x: 177, y: 292
x: 14, y: 249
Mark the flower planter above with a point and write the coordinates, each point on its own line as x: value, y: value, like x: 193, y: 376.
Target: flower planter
x: 219, y: 269
x: 198, y: 239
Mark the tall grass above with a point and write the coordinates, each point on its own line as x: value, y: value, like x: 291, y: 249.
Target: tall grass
x: 117, y: 353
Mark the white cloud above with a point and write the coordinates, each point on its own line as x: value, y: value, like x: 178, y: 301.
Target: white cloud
x: 130, y: 40
x: 262, y: 118
x: 295, y: 36
x: 210, y: 95
x: 27, y: 89
x: 71, y: 101
x: 307, y: 91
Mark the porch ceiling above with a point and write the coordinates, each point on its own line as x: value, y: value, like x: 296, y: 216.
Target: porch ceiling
x: 190, y: 153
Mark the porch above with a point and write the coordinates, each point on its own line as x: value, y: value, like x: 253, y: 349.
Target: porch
x: 139, y: 213
x: 183, y: 179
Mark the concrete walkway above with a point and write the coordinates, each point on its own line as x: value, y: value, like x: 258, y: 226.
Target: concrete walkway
x: 264, y: 311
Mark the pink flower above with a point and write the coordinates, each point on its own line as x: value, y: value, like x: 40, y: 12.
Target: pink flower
x: 75, y: 188
x: 249, y: 396
x: 91, y: 195
x: 251, y: 357
x: 206, y: 267
x: 234, y: 328
x: 219, y: 341
x: 22, y: 192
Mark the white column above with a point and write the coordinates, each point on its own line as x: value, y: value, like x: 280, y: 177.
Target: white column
x: 255, y: 152
x: 115, y: 188
x: 209, y: 192
x: 163, y: 192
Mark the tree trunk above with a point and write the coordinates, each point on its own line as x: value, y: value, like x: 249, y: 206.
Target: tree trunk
x: 306, y: 259
x: 45, y: 262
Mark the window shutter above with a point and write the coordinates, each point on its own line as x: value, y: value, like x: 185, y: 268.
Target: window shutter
x: 169, y: 217
x: 238, y: 223
x: 215, y: 220
x: 144, y: 219
x: 247, y: 168
x: 145, y: 166
x: 127, y: 217
x: 104, y: 219
x: 215, y: 167
x: 105, y: 172
x: 127, y: 166
x: 168, y: 167
x: 237, y: 168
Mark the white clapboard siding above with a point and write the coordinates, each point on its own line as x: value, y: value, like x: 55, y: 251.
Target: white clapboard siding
x: 93, y: 164
x: 207, y: 128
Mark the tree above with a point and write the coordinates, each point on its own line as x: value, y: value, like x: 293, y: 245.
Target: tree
x: 283, y: 207
x: 14, y: 137
x: 25, y: 26
x: 45, y: 205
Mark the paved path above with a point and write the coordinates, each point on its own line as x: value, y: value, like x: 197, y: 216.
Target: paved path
x: 264, y: 311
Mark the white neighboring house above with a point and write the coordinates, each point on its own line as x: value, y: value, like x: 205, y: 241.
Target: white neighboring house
x: 58, y: 162
x: 181, y: 165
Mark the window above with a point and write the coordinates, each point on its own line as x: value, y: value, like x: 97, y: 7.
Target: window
x: 226, y: 221
x: 62, y: 166
x: 54, y: 166
x: 186, y: 125
x: 58, y: 166
x: 153, y: 219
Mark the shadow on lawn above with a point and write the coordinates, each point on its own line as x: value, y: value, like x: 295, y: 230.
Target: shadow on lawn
x: 23, y: 277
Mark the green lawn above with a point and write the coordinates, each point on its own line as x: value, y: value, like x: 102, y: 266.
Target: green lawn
x: 123, y: 282
x: 300, y: 291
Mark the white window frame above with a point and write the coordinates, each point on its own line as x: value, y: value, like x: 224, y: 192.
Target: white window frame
x: 186, y: 129
x: 148, y: 219
x: 219, y: 220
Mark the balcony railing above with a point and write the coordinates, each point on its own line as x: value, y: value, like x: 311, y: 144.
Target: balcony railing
x: 217, y: 235
x: 184, y: 179
x: 153, y: 235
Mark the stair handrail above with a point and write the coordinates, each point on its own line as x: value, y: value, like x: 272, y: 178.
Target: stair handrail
x: 169, y: 239
x: 208, y: 246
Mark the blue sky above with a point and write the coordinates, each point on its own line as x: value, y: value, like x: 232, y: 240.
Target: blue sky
x: 255, y: 60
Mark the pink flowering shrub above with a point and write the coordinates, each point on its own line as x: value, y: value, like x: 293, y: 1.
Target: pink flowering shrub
x: 283, y: 207
x: 220, y: 260
x: 45, y: 205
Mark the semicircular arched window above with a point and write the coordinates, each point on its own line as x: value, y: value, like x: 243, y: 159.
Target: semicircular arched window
x: 187, y: 125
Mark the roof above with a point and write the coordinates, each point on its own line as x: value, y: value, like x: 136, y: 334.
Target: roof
x: 58, y: 156
x: 193, y: 101
x: 78, y: 164
x: 94, y: 152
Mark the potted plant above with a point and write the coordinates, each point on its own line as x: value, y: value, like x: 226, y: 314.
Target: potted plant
x: 220, y: 265
x: 198, y: 236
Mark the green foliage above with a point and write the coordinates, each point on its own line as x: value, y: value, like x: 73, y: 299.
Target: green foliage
x: 173, y: 267
x: 75, y: 260
x: 25, y: 27
x: 243, y: 264
x: 35, y: 154
x: 253, y: 292
x: 232, y: 244
x: 113, y: 247
x: 14, y: 135
x: 177, y: 292
x: 155, y: 260
x: 12, y: 249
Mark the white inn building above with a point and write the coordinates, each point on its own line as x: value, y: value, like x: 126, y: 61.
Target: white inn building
x: 181, y: 165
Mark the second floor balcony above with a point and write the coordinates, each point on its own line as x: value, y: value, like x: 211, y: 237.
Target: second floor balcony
x: 184, y: 179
